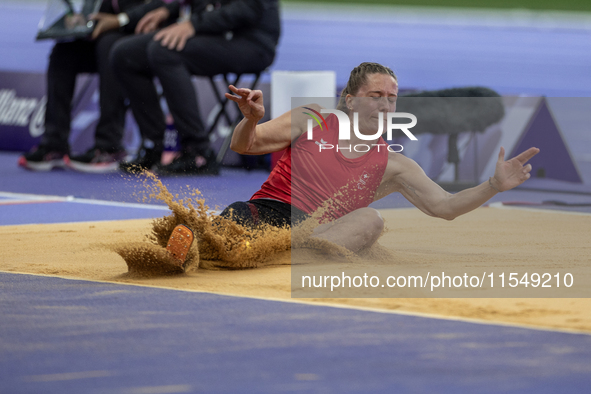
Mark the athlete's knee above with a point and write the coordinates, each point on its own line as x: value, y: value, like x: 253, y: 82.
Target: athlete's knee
x: 371, y: 220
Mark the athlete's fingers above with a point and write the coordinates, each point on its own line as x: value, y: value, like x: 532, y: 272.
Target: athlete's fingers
x: 254, y: 95
x: 524, y: 157
x: 232, y: 97
x: 240, y: 91
x: 501, y: 154
x: 239, y: 94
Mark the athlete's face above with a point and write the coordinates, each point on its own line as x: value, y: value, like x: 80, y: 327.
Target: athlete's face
x: 377, y: 95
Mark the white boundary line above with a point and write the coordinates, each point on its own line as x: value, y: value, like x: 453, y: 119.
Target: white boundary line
x: 41, y: 198
x: 499, y: 205
x: 330, y: 305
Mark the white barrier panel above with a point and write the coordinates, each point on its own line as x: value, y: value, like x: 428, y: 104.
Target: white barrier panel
x: 286, y: 85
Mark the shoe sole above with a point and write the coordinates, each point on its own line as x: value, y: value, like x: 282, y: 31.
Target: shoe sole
x: 41, y: 165
x: 92, y: 168
x: 179, y: 243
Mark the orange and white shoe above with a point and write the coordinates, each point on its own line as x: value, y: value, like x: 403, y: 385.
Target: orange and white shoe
x: 179, y: 243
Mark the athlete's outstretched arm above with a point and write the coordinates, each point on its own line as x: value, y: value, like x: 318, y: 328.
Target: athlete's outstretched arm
x: 251, y: 138
x: 412, y: 182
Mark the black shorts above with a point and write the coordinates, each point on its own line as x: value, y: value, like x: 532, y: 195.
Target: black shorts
x: 255, y: 212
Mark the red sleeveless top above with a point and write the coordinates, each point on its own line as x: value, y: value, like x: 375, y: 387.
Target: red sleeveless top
x: 309, y: 178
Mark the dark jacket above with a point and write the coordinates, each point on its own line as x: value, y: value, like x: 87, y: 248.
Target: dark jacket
x: 108, y: 6
x: 257, y: 20
x: 135, y: 10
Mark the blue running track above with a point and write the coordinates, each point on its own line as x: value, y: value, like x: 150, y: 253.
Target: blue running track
x: 72, y: 336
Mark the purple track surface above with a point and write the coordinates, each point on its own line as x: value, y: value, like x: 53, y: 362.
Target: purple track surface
x: 73, y: 336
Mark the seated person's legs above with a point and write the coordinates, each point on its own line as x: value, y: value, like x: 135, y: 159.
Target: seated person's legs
x: 107, y: 150
x: 131, y: 67
x: 170, y: 68
x: 205, y: 55
x: 65, y: 62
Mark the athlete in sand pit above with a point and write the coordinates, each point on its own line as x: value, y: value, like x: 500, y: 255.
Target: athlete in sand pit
x: 371, y: 89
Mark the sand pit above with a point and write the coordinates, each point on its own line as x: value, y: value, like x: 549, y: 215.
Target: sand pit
x: 507, y: 238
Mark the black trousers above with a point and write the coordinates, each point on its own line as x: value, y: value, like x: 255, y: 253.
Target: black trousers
x: 66, y: 61
x: 253, y: 213
x: 138, y: 59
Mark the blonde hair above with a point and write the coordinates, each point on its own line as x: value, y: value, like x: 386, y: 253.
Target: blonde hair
x: 358, y: 78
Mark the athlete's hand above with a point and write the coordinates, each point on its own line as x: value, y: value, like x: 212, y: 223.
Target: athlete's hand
x: 152, y: 20
x: 249, y: 101
x: 104, y: 22
x: 512, y: 173
x: 175, y: 36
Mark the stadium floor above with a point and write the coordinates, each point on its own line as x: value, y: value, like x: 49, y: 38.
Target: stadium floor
x: 73, y: 336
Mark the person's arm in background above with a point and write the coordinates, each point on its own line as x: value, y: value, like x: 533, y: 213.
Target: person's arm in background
x: 128, y: 17
x: 73, y: 19
x: 105, y: 19
x: 235, y: 15
x: 152, y: 16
